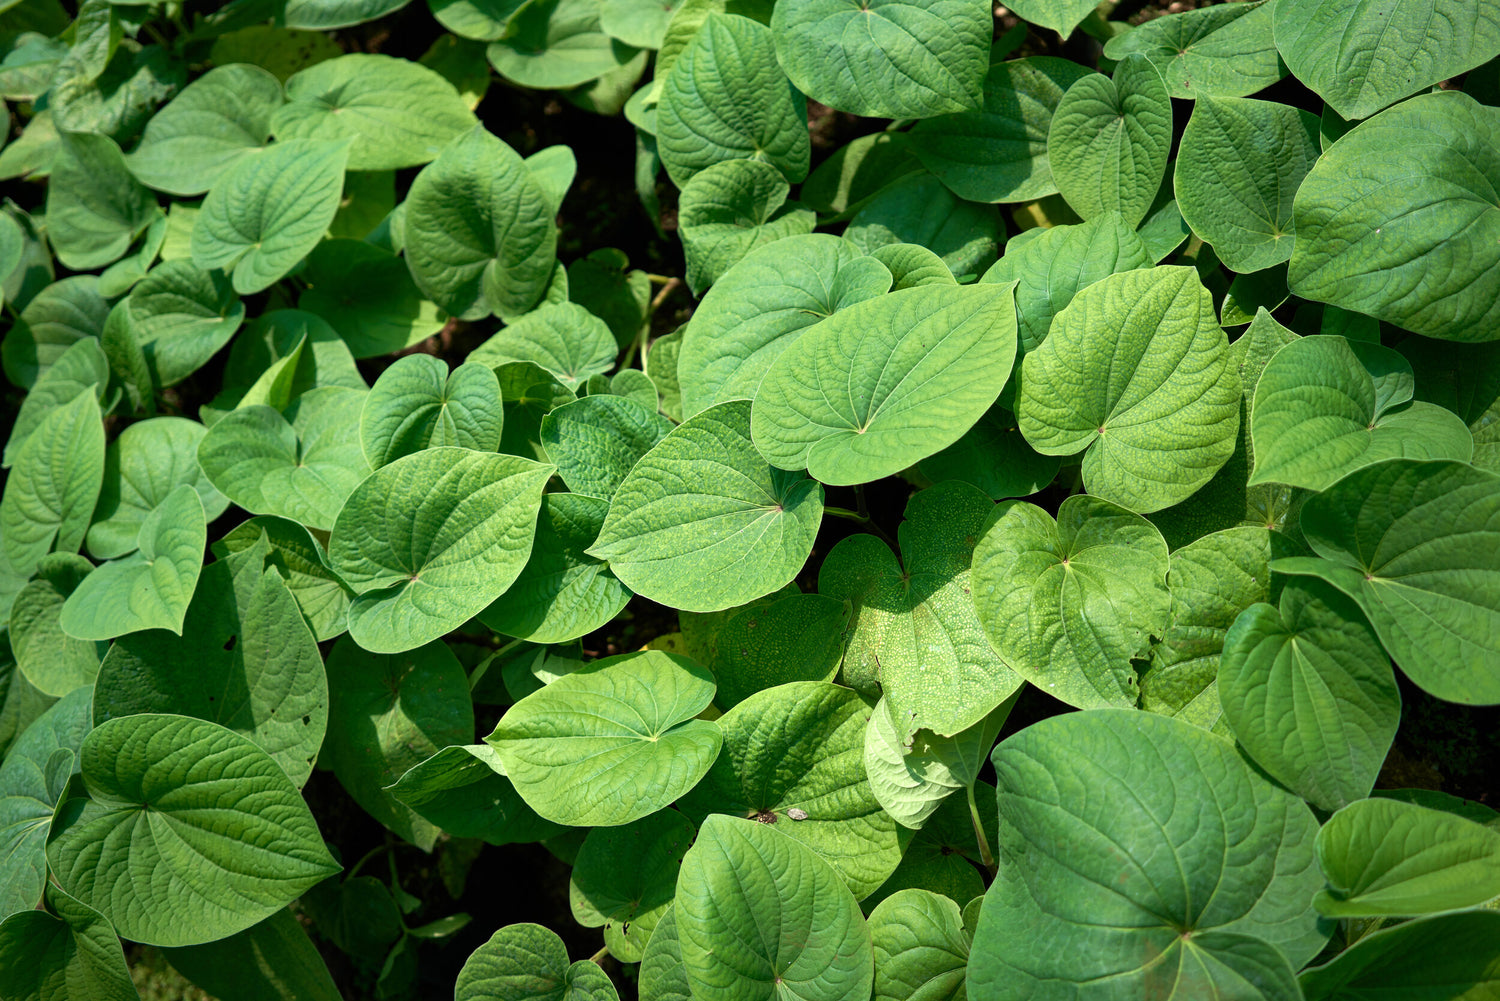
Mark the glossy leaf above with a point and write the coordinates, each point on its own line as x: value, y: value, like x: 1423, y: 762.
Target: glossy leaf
x: 180, y: 316
x: 527, y: 962
x: 417, y: 403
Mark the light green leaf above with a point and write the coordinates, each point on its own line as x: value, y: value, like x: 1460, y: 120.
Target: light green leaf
x: 662, y: 975
x: 642, y: 23
x: 417, y: 403
x: 527, y: 962
x: 1108, y: 141
x: 661, y: 367
x: 322, y: 15
x: 726, y: 97
x: 51, y: 660
x: 1414, y: 544
x: 912, y: 265
x: 612, y: 742
x: 921, y: 947
x: 282, y: 51
x: 914, y: 626
x: 1360, y: 56
x: 1322, y: 411
x: 999, y: 153
x: 141, y: 469
x: 1397, y: 220
x: 74, y: 954
x: 887, y: 382
x: 82, y: 368
x: 481, y: 20
x: 794, y: 758
x: 1224, y: 50
x: 368, y: 296
x: 429, y: 540
x: 167, y: 849
x: 1140, y: 854
x: 624, y: 879
x: 759, y: 307
x: 395, y: 112
x: 913, y: 775
x: 244, y: 659
x: 555, y: 44
x: 387, y: 714
x: 1238, y: 168
x: 53, y: 486
x: 1451, y: 956
x: 702, y: 523
x: 59, y: 316
x: 302, y: 465
x: 795, y: 637
x: 463, y: 790
x: 219, y: 119
x: 919, y: 210
x: 267, y: 212
x: 95, y: 209
x: 1384, y: 857
x: 270, y: 961
x: 563, y: 338
x: 886, y: 58
x: 759, y: 916
x: 1135, y: 370
x: 149, y: 589
x: 554, y: 169
x: 731, y: 208
x: 181, y: 316
x: 299, y: 558
x: 595, y: 441
x: 1070, y: 604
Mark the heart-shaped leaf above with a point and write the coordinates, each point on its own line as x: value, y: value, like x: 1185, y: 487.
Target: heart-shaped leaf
x: 47, y: 657
x: 141, y: 469
x: 921, y: 947
x: 557, y: 44
x: 72, y: 954
x: 624, y: 879
x: 180, y: 316
x: 82, y: 368
x: 417, y: 403
x: 53, y: 486
x: 527, y: 962
x: 597, y: 440
x: 95, y: 208
x: 729, y: 209
x: 563, y: 338
x: 1226, y: 50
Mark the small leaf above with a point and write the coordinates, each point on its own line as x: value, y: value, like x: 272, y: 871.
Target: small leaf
x: 417, y: 403
x: 95, y: 208
x: 597, y: 440
x: 556, y: 44
x: 53, y: 486
x: 180, y: 316
x: 141, y: 469
x: 563, y: 338
x: 74, y: 954
x: 1226, y: 50
x: 731, y: 208
x: 527, y: 962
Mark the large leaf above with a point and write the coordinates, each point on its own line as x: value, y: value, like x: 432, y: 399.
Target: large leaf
x: 662, y: 975
x: 53, y: 486
x: 794, y: 758
x: 1069, y: 604
x: 759, y: 916
x: 267, y: 212
x: 1414, y: 544
x: 1361, y: 55
x: 271, y: 961
x: 1451, y: 956
x: 726, y: 97
x: 1397, y: 220
x: 72, y: 954
x: 1385, y: 857
x: 1135, y: 370
x: 1309, y: 693
x: 95, y: 208
x: 1223, y: 50
x: 1238, y: 168
x: 1108, y: 141
x: 555, y: 44
x: 624, y: 879
x: 527, y: 962
x: 999, y: 153
x: 480, y: 235
x: 921, y: 947
x: 1140, y: 855
x: 914, y: 626
x: 417, y: 403
x: 702, y: 523
x: 1325, y: 406
x: 141, y: 469
x: 612, y: 742
x: 429, y: 540
x: 886, y: 58
x: 886, y: 382
x: 180, y: 316
x: 190, y: 832
x: 395, y: 112
x: 217, y: 120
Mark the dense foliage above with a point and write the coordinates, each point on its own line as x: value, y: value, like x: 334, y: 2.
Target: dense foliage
x: 1141, y: 381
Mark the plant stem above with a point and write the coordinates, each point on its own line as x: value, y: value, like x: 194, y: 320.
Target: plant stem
x: 984, y: 843
x: 668, y: 286
x: 598, y: 956
x: 864, y: 521
x: 354, y: 870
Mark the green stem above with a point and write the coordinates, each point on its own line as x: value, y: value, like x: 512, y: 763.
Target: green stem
x: 365, y: 858
x: 638, y: 346
x: 599, y: 956
x: 865, y: 522
x: 984, y: 843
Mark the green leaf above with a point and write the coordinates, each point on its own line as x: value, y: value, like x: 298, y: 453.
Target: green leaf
x: 563, y: 338
x: 95, y: 208
x: 1238, y: 168
x: 1309, y: 693
x: 761, y: 305
x: 725, y: 97
x: 797, y: 750
x: 299, y: 558
x: 851, y: 176
x: 1250, y: 293
x: 180, y: 316
x: 642, y: 23
x: 912, y: 776
x: 597, y: 440
x: 1140, y: 851
x: 267, y: 212
x: 244, y: 659
x: 914, y: 626
x: 999, y: 153
x: 624, y: 879
x: 82, y: 368
x: 270, y: 961
x: 886, y: 58
x: 795, y: 637
x: 919, y: 210
x: 1070, y: 604
x: 527, y: 962
x: 1413, y: 543
x: 74, y: 954
x: 222, y: 117
x: 1361, y: 56
x: 994, y: 457
x: 53, y: 486
x: 431, y: 539
x: 731, y: 208
x: 33, y: 779
x: 601, y: 284
x: 1384, y: 857
x: 661, y: 367
x: 387, y: 714
x: 1466, y: 380
x: 1448, y: 956
x: 482, y: 20
x: 1397, y: 220
x: 1321, y: 412
x: 151, y: 588
x: 702, y: 523
x: 921, y: 947
x: 322, y: 15
x: 368, y: 296
x: 662, y: 975
x: 167, y: 849
x: 395, y: 112
x: 1135, y: 370
x: 1108, y: 141
x: 886, y: 383
x: 302, y: 465
x: 141, y: 469
x: 554, y: 44
x: 282, y: 51
x: 417, y: 403
x: 912, y: 265
x: 463, y: 789
x: 611, y: 742
x: 944, y: 855
x: 760, y: 916
x: 51, y: 660
x: 59, y: 316
x: 1225, y: 50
